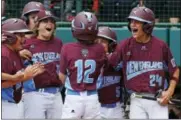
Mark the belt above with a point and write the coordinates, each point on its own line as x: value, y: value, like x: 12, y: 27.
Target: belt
x: 52, y: 90
x: 113, y: 105
x: 146, y: 94
x: 88, y: 92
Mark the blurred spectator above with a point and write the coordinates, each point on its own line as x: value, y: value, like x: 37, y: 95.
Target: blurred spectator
x: 95, y: 6
x: 57, y: 7
x: 68, y: 10
x: 46, y: 4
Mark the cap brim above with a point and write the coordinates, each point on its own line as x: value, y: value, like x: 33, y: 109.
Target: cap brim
x: 26, y: 31
x: 54, y: 17
x: 139, y: 19
x: 103, y: 36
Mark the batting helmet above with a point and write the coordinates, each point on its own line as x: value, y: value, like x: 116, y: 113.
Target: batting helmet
x: 44, y: 14
x: 109, y: 34
x: 31, y: 7
x: 84, y: 26
x: 11, y: 26
x: 145, y: 15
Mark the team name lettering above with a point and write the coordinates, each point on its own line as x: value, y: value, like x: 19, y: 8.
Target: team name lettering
x: 109, y: 80
x: 45, y: 57
x: 135, y: 68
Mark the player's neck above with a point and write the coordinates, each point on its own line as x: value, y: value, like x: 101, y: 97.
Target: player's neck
x: 143, y: 39
x: 42, y: 37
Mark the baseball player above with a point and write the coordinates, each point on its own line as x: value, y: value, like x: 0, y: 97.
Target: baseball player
x: 81, y: 62
x: 110, y: 92
x: 29, y: 14
x: 12, y: 68
x: 145, y: 59
x: 42, y: 98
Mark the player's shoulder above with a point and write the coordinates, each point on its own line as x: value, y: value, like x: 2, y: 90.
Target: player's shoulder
x: 125, y: 42
x: 69, y: 45
x: 5, y: 51
x: 58, y: 40
x: 30, y: 40
x: 159, y: 42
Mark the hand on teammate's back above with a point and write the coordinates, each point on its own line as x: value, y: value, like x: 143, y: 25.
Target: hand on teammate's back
x: 33, y: 70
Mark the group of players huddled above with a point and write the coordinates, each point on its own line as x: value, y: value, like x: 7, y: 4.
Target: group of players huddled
x: 95, y: 70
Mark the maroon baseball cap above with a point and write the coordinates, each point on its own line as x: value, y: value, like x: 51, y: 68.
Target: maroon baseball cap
x: 15, y: 25
x: 44, y: 14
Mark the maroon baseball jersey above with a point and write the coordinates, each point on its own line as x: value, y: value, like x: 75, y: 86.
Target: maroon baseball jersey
x: 11, y: 63
x: 48, y: 53
x: 144, y: 64
x: 110, y: 89
x: 82, y: 64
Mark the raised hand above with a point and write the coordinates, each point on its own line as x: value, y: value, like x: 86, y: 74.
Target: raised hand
x: 25, y: 54
x: 33, y: 70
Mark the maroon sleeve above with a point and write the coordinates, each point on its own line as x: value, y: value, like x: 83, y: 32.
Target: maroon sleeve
x: 63, y: 60
x: 115, y: 58
x: 170, y: 61
x: 6, y: 65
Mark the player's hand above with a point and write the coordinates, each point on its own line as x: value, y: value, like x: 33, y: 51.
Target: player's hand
x: 18, y: 76
x: 25, y: 54
x: 33, y: 70
x: 165, y: 97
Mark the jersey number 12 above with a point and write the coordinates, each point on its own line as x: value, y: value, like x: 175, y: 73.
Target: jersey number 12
x: 84, y: 75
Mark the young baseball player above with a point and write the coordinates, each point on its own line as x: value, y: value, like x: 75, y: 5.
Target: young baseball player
x: 13, y: 72
x: 81, y: 62
x: 42, y: 98
x: 29, y: 14
x: 145, y: 59
x: 110, y: 92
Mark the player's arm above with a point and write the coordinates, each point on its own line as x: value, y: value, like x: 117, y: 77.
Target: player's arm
x: 174, y: 76
x: 115, y: 57
x: 30, y: 72
x: 9, y: 77
x: 7, y: 84
x: 173, y: 81
x: 26, y: 54
x: 63, y: 65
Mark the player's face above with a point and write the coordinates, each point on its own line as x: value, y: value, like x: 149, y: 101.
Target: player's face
x: 32, y: 19
x: 104, y: 42
x: 46, y: 28
x: 137, y: 29
x: 20, y: 41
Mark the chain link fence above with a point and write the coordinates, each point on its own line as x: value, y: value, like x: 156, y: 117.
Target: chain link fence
x: 106, y: 10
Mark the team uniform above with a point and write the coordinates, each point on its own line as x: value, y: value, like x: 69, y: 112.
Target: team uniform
x: 82, y: 64
x: 12, y: 107
x: 42, y: 98
x: 110, y: 94
x: 144, y: 66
